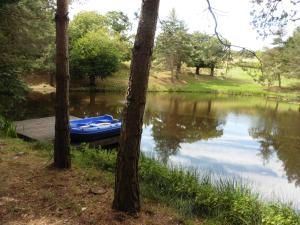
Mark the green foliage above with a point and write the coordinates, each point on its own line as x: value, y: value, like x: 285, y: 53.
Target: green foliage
x: 273, y: 64
x: 96, y: 54
x: 119, y: 22
x: 97, y: 158
x: 278, y: 214
x: 26, y: 31
x: 207, y: 51
x: 97, y: 45
x: 173, y: 43
x: 291, y: 54
x: 85, y: 22
x: 227, y: 202
x: 12, y: 88
x: 7, y: 128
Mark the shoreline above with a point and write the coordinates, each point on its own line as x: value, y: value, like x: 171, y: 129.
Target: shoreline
x: 272, y: 96
x: 194, y: 196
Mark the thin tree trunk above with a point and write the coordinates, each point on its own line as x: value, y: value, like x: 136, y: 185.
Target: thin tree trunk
x: 279, y: 80
x: 178, y: 69
x: 212, y: 70
x: 92, y: 81
x: 127, y: 193
x: 197, y: 70
x: 172, y: 70
x: 62, y: 157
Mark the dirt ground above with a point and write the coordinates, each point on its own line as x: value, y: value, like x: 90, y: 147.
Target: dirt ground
x: 32, y: 193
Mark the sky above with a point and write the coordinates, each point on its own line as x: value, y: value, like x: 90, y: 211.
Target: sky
x: 234, y: 20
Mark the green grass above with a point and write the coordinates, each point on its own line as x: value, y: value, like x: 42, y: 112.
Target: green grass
x: 196, y: 195
x: 193, y: 195
x: 7, y: 128
x: 235, y: 82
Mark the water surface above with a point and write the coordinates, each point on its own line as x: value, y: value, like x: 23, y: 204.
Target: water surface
x: 255, y: 139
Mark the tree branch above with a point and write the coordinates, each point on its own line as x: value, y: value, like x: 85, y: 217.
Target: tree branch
x: 221, y: 39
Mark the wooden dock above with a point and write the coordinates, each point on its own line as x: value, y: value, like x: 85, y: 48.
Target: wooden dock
x: 42, y: 129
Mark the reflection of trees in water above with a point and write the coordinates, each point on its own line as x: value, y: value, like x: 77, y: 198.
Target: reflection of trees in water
x: 279, y: 132
x: 93, y: 104
x: 184, y: 123
x: 34, y: 105
x: 10, y: 107
x: 264, y: 131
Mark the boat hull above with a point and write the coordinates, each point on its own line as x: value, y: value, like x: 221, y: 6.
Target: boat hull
x: 77, y: 138
x: 94, y: 129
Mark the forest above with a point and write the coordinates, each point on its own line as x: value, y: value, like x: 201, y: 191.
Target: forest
x: 210, y: 129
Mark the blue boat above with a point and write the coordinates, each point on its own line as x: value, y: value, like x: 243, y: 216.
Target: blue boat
x: 94, y: 128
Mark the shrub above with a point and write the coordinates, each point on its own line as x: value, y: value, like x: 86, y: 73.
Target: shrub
x: 7, y: 128
x: 278, y: 214
x: 96, y: 55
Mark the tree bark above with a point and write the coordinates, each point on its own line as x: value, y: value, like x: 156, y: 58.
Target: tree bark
x: 178, y: 69
x: 127, y: 193
x: 212, y: 70
x: 197, y: 70
x: 62, y: 157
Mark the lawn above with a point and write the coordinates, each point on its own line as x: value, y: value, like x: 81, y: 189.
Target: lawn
x: 235, y: 82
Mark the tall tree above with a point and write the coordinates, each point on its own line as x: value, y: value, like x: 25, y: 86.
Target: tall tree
x: 207, y: 52
x: 173, y: 44
x: 96, y: 54
x: 291, y: 54
x: 85, y: 22
x: 26, y: 31
x: 127, y: 193
x: 119, y: 22
x: 62, y: 158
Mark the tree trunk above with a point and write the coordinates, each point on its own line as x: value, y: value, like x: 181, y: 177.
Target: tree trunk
x: 197, y: 70
x: 178, y: 69
x: 279, y: 80
x: 127, y: 193
x: 172, y: 69
x: 212, y: 70
x: 62, y: 157
x: 92, y: 81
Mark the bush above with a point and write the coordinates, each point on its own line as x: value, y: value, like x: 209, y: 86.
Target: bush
x: 278, y: 214
x: 96, y: 55
x: 97, y: 158
x: 7, y: 129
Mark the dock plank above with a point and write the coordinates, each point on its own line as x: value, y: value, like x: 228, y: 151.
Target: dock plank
x: 42, y: 129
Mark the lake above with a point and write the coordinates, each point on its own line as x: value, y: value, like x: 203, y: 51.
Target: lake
x: 253, y: 139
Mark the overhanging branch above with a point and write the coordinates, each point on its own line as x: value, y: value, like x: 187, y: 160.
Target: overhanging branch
x: 227, y: 45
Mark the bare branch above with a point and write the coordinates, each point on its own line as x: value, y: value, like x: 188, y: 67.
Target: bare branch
x: 227, y: 45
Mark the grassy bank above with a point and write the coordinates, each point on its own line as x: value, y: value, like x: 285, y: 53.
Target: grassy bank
x: 192, y: 195
x: 235, y: 82
x: 196, y: 195
x: 32, y: 192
